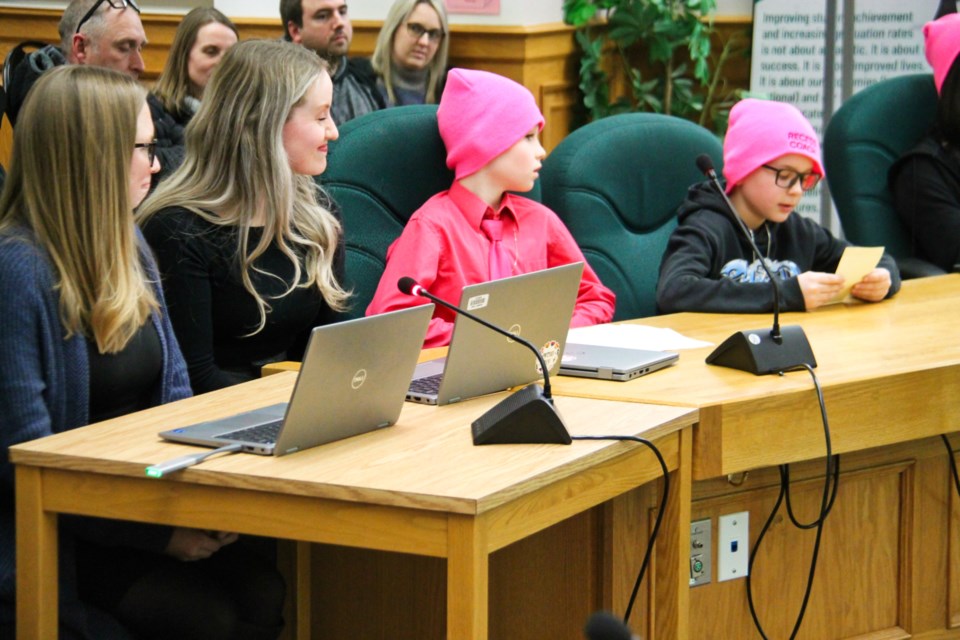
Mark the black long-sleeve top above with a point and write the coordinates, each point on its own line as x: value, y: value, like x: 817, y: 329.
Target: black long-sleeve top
x: 925, y: 184
x: 211, y: 311
x: 709, y: 266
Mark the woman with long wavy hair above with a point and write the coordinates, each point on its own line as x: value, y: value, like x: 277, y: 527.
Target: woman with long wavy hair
x: 248, y: 245
x: 85, y: 336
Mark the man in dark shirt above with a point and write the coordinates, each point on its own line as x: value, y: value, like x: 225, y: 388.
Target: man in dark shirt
x: 324, y: 26
x: 103, y: 33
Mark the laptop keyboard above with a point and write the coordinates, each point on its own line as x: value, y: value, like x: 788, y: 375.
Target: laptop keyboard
x: 261, y: 434
x: 428, y: 386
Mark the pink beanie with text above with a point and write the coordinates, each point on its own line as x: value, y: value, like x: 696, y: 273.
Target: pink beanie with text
x: 760, y: 131
x: 941, y: 39
x: 481, y: 115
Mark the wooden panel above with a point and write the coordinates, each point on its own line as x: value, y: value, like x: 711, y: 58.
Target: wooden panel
x: 883, y: 570
x: 537, y: 588
x: 953, y: 545
x: 544, y: 58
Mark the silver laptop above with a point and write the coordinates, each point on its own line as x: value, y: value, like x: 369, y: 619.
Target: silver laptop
x: 537, y: 306
x: 352, y: 380
x: 612, y: 363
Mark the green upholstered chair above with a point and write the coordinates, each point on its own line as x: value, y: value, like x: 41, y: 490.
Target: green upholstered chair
x: 385, y: 165
x: 616, y: 183
x: 863, y: 139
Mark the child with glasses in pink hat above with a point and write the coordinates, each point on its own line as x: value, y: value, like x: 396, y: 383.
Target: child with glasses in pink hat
x: 477, y: 231
x: 771, y: 156
x: 925, y: 182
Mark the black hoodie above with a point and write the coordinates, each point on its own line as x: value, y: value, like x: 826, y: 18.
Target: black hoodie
x: 709, y: 266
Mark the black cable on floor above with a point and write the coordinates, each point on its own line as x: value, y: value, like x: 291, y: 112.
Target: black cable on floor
x: 660, y: 510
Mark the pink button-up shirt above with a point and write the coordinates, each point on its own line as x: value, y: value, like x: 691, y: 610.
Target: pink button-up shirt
x: 443, y: 249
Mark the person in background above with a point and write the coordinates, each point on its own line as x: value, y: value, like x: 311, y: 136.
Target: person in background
x: 85, y: 339
x: 202, y: 38
x: 771, y: 156
x: 324, y: 26
x: 411, y: 53
x: 249, y: 247
x: 477, y: 230
x: 101, y: 33
x: 925, y: 182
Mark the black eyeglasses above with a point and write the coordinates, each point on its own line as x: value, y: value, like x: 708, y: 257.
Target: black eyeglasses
x: 151, y: 148
x: 417, y: 30
x: 116, y: 4
x: 786, y: 178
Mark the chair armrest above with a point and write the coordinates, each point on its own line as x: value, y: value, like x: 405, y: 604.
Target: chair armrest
x: 918, y: 268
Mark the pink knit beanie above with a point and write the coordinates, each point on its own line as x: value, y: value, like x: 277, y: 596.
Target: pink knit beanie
x: 941, y: 39
x: 481, y: 115
x: 760, y: 131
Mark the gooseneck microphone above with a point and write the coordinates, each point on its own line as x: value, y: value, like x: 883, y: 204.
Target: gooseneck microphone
x: 759, y: 352
x: 525, y: 417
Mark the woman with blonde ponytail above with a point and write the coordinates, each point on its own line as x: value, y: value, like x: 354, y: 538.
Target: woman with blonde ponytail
x: 248, y: 245
x: 84, y: 336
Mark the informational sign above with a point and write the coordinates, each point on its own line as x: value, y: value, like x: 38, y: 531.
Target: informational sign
x: 789, y: 46
x: 488, y: 7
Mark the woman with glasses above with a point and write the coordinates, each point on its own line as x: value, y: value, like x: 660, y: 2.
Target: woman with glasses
x: 202, y: 38
x: 410, y: 57
x: 84, y: 337
x: 248, y: 245
x: 771, y: 156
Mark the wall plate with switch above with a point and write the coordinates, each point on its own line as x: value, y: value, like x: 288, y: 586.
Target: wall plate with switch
x: 700, y: 552
x: 733, y: 546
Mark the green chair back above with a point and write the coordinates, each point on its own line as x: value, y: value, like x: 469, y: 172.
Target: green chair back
x: 863, y: 139
x: 616, y: 183
x: 385, y: 165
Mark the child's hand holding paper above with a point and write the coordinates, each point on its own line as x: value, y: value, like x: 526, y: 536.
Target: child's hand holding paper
x: 855, y: 264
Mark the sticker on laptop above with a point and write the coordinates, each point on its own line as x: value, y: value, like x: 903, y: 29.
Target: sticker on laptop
x: 551, y: 353
x: 478, y: 302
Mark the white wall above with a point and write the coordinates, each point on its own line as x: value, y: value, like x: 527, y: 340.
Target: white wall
x: 512, y: 12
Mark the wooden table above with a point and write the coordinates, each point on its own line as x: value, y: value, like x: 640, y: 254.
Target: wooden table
x: 419, y: 487
x: 895, y: 363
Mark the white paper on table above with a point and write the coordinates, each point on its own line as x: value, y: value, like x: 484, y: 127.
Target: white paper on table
x: 855, y: 263
x: 633, y: 336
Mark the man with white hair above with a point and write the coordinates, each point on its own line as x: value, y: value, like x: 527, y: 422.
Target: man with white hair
x: 103, y: 33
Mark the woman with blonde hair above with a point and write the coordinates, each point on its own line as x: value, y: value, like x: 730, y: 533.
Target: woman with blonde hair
x: 84, y: 336
x: 410, y: 57
x: 248, y: 246
x: 201, y: 39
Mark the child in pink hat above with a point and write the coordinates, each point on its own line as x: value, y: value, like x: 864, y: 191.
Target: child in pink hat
x: 771, y: 156
x: 479, y: 229
x: 925, y: 181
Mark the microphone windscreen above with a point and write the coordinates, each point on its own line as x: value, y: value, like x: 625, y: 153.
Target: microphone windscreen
x: 705, y: 164
x: 606, y: 626
x: 406, y: 284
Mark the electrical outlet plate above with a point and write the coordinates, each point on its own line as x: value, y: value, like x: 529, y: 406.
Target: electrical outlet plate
x: 733, y: 546
x: 700, y: 552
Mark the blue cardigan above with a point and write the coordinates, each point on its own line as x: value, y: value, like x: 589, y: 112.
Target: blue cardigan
x: 44, y: 389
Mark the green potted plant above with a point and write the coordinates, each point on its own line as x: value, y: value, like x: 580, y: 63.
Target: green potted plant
x: 675, y: 35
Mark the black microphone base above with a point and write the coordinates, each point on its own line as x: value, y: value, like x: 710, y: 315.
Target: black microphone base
x: 524, y: 417
x: 758, y: 353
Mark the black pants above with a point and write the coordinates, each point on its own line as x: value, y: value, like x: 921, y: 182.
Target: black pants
x: 236, y: 594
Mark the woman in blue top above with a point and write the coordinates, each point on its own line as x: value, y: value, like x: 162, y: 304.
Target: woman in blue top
x: 84, y: 336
